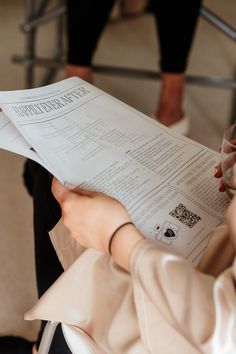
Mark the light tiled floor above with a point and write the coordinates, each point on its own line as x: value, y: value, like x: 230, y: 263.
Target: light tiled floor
x: 208, y: 109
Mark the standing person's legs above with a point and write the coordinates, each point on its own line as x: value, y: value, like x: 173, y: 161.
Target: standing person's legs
x: 85, y: 23
x: 46, y: 214
x: 176, y: 22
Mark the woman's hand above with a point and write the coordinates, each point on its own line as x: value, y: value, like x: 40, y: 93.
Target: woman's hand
x: 219, y: 174
x: 91, y: 217
x: 227, y: 163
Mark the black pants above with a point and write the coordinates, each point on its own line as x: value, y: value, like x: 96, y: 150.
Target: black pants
x: 175, y: 20
x: 46, y: 214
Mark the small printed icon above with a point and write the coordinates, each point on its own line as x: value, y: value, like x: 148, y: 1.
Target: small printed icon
x: 157, y: 228
x: 167, y: 232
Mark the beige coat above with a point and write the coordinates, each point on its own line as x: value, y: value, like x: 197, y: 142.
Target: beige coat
x: 165, y: 306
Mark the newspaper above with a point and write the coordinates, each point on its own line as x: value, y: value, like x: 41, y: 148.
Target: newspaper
x: 88, y: 138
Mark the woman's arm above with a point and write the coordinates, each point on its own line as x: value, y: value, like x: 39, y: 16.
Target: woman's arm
x: 92, y: 218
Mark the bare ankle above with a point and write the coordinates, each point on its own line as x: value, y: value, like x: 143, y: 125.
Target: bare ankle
x: 83, y: 72
x: 169, y: 109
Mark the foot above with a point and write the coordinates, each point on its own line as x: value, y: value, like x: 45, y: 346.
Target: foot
x: 169, y: 110
x: 181, y: 127
x: 84, y: 72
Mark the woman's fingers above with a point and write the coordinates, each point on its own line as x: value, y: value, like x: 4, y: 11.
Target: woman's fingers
x: 59, y: 191
x: 218, y: 171
x: 229, y: 147
x: 227, y: 163
x: 222, y: 186
x: 84, y: 192
x: 219, y: 174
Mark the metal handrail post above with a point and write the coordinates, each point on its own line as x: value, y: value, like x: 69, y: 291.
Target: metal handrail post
x: 30, y: 6
x: 217, y: 22
x: 59, y: 47
x: 43, y: 19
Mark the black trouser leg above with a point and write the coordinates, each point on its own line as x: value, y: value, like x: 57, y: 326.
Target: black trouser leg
x: 86, y: 20
x: 176, y: 23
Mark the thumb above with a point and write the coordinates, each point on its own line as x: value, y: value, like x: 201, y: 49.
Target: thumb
x: 59, y: 191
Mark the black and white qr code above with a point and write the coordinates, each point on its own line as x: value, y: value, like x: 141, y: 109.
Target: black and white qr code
x: 185, y: 216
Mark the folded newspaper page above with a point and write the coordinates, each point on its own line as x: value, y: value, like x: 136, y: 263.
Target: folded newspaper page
x: 88, y: 138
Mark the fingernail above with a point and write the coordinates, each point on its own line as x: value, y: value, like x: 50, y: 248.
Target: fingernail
x: 221, y: 187
x: 217, y: 172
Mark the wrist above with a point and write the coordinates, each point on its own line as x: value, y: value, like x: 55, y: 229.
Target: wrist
x: 115, y: 233
x: 123, y: 244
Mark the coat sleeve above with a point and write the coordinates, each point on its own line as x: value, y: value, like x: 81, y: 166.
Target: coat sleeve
x: 174, y: 301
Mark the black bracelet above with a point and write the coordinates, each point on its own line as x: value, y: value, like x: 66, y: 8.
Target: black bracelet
x: 114, y: 233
